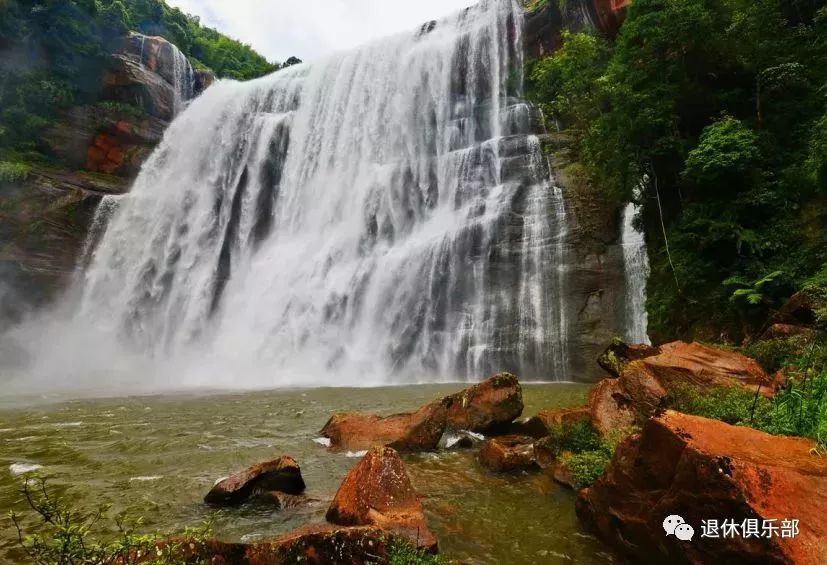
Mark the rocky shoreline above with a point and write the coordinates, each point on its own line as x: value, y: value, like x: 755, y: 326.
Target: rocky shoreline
x: 664, y: 463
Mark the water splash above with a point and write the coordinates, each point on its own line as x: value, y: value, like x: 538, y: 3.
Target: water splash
x: 384, y: 216
x: 636, y: 267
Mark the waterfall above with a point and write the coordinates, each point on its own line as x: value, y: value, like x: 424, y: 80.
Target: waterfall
x: 383, y: 216
x: 636, y: 267
x: 183, y: 79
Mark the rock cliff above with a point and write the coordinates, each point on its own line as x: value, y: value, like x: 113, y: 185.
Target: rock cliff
x: 596, y: 290
x: 98, y: 149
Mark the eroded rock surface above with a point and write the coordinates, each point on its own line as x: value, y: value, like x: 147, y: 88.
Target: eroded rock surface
x: 704, y: 469
x: 486, y: 407
x: 378, y: 492
x: 645, y: 383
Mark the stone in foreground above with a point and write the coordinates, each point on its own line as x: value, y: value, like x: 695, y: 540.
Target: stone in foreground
x: 487, y: 407
x: 703, y: 469
x: 508, y: 453
x: 282, y: 475
x: 418, y: 431
x: 378, y: 492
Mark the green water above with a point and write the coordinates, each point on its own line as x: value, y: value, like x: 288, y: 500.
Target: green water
x: 156, y: 457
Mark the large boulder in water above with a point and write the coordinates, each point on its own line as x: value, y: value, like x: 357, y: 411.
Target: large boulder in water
x: 378, y: 492
x: 487, y: 407
x: 281, y: 475
x: 417, y: 431
x: 508, y: 453
x: 701, y: 469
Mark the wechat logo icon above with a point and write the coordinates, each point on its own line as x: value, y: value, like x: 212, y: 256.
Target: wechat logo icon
x: 677, y: 526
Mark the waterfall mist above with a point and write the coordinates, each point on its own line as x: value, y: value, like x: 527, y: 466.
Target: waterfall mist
x: 384, y: 216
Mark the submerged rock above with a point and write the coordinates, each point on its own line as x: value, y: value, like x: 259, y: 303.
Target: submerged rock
x: 703, y: 469
x: 486, y: 407
x: 508, y: 453
x: 378, y: 492
x: 281, y: 475
x: 417, y: 431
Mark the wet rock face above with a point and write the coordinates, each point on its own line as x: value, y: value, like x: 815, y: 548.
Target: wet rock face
x: 704, y: 469
x: 417, y: 431
x: 486, y: 407
x: 378, y: 492
x: 281, y: 476
x: 151, y: 73
x: 48, y: 215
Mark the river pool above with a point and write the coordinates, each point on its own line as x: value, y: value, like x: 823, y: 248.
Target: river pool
x: 156, y: 457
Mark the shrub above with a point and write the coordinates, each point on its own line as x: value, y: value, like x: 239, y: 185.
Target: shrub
x: 586, y: 467
x: 575, y: 438
x: 778, y: 352
x: 65, y: 536
x: 584, y: 451
x: 13, y: 171
x: 404, y: 553
x: 798, y: 409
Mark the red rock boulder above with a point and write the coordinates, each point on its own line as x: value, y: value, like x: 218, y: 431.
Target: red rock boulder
x: 610, y: 407
x: 701, y: 469
x: 547, y: 421
x: 487, y: 407
x: 508, y: 453
x: 282, y: 475
x: 418, y: 431
x: 378, y: 492
x: 645, y: 383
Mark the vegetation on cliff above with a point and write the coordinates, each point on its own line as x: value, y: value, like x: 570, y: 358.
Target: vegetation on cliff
x: 712, y: 114
x: 54, y: 54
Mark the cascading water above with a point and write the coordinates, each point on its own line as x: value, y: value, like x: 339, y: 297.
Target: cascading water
x: 384, y: 216
x: 636, y: 267
x: 183, y: 79
x: 175, y: 69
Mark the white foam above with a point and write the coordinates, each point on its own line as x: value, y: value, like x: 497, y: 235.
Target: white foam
x: 146, y: 479
x: 324, y: 441
x: 23, y: 468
